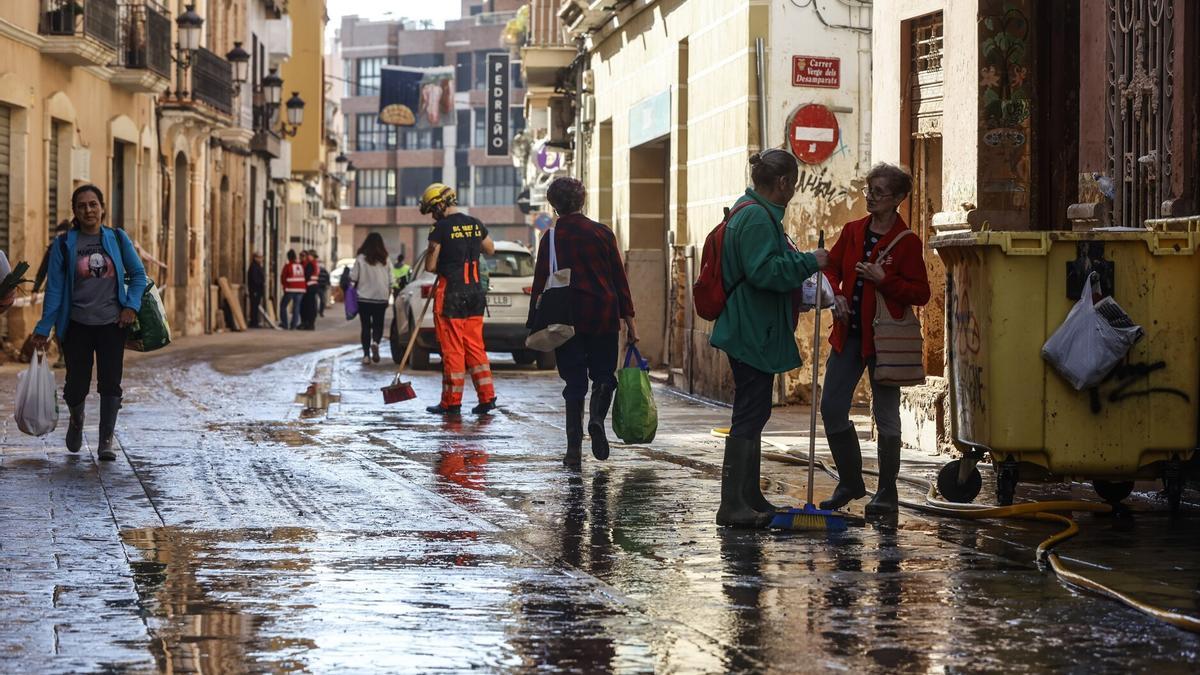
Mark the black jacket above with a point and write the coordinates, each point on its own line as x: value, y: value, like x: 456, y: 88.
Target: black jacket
x: 256, y: 278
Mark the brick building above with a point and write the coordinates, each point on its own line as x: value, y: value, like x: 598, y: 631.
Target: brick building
x: 394, y: 165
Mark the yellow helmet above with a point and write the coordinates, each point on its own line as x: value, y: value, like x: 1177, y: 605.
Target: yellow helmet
x: 437, y: 195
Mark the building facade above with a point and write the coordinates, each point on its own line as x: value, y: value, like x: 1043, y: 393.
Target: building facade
x: 394, y: 165
x: 77, y: 89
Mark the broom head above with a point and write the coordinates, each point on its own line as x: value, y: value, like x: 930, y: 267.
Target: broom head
x: 398, y: 392
x: 809, y: 518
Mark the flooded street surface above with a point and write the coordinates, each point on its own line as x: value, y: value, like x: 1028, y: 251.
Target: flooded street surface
x: 282, y: 519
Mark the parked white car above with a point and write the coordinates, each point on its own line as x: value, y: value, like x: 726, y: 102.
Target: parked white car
x: 510, y: 281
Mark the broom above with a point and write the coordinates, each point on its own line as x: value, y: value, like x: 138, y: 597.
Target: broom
x: 810, y: 517
x: 398, y: 391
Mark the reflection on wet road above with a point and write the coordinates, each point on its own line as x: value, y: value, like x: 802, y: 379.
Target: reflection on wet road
x: 332, y: 533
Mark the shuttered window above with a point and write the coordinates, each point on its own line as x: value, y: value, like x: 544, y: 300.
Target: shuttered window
x: 52, y: 191
x: 5, y: 173
x: 926, y: 75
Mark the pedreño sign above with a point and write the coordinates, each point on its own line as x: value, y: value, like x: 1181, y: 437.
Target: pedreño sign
x: 824, y: 72
x: 497, y: 111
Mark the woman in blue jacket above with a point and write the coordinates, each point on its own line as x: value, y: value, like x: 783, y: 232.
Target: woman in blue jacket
x: 94, y: 290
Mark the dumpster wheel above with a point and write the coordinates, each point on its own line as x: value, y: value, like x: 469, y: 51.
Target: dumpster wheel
x: 951, y: 485
x: 1044, y: 511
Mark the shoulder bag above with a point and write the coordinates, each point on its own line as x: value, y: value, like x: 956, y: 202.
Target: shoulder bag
x: 899, y: 345
x: 553, y: 323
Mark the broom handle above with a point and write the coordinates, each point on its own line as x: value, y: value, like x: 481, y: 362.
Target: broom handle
x: 816, y: 367
x: 412, y: 339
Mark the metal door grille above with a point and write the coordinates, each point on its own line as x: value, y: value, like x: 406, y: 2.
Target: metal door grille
x: 1140, y: 94
x: 926, y: 78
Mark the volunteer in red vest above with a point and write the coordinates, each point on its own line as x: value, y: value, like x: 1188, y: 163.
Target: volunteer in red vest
x: 455, y: 245
x: 294, y: 286
x: 856, y: 271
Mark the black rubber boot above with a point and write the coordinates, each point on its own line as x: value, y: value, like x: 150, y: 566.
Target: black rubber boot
x: 734, y: 510
x: 886, y: 501
x: 440, y: 410
x: 484, y: 407
x: 753, y: 490
x: 574, y: 456
x: 75, y: 428
x: 602, y: 396
x: 847, y: 455
x: 109, y: 405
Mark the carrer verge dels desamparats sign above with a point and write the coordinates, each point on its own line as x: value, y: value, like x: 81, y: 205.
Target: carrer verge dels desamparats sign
x: 497, y: 110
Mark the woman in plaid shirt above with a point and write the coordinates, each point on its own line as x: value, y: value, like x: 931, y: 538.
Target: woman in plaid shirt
x: 601, y: 302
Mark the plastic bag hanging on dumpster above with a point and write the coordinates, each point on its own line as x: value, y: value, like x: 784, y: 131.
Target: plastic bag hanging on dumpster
x: 635, y: 417
x: 1092, y: 340
x: 37, y: 405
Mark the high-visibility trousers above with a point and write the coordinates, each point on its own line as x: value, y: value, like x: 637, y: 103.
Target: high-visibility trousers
x: 463, y: 352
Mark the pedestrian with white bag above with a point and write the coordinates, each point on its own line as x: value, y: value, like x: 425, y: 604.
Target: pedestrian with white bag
x: 95, y: 286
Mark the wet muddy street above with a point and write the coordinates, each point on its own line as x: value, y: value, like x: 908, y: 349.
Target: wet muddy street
x: 280, y: 518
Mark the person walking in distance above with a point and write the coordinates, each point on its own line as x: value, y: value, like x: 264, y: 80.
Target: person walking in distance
x: 763, y: 273
x: 861, y: 263
x: 455, y: 245
x: 256, y: 284
x: 308, y: 305
x: 602, y: 302
x: 294, y: 287
x: 323, y: 284
x: 372, y: 278
x: 95, y: 282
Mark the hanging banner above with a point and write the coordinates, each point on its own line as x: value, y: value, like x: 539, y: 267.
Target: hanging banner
x: 497, y: 110
x: 416, y: 97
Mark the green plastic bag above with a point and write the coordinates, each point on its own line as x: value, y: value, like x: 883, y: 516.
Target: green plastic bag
x: 150, y: 330
x: 635, y: 417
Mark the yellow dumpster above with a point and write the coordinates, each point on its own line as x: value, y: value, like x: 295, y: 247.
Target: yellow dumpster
x: 1006, y: 293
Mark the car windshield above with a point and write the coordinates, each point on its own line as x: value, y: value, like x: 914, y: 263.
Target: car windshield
x: 509, y: 264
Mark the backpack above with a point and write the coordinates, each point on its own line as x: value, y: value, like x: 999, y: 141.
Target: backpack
x: 344, y: 281
x: 708, y: 292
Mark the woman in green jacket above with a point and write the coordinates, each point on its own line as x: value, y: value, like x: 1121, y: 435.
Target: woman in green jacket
x: 762, y: 271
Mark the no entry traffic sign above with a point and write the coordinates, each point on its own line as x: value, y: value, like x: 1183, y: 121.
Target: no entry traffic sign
x: 813, y: 133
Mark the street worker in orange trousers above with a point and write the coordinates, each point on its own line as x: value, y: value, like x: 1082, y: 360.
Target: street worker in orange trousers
x: 459, y: 301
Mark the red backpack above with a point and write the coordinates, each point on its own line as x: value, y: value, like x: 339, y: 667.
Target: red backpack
x: 708, y: 293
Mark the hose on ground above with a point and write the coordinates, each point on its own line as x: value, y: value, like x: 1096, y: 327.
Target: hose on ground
x: 1048, y: 511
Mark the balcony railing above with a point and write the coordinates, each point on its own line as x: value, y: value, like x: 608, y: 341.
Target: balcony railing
x: 212, y: 80
x: 545, y: 28
x: 145, y: 36
x: 94, y: 18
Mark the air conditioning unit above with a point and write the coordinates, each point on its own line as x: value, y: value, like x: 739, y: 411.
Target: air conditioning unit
x: 588, y: 80
x: 581, y: 16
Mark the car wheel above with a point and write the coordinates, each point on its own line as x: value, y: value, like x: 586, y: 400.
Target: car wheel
x: 396, y: 343
x: 420, y: 358
x: 546, y: 361
x: 524, y: 357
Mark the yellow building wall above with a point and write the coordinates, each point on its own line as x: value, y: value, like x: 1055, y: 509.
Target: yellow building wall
x: 305, y: 72
x: 93, y: 113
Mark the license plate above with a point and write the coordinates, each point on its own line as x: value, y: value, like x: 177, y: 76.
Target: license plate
x: 499, y: 301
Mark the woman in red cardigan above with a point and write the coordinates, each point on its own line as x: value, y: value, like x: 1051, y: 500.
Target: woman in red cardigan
x: 856, y: 273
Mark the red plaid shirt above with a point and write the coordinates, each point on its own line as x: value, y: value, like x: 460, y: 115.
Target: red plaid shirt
x: 599, y: 288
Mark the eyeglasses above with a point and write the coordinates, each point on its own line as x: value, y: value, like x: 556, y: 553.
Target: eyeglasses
x: 875, y: 194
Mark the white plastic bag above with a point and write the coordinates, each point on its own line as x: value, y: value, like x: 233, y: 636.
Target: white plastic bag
x: 37, y: 402
x: 808, y: 293
x: 1091, y: 341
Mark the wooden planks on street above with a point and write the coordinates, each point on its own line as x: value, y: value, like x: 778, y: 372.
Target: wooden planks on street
x: 235, y: 307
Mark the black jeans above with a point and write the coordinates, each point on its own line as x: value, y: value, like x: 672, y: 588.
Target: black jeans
x: 107, y: 345
x: 256, y: 298
x: 587, y: 357
x: 751, y: 400
x: 370, y: 316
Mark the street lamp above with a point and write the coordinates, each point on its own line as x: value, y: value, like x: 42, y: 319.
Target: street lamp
x: 240, y: 59
x: 342, y: 161
x: 190, y: 25
x: 272, y: 87
x: 295, y: 116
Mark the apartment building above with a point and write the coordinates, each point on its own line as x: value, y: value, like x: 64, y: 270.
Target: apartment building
x: 394, y: 165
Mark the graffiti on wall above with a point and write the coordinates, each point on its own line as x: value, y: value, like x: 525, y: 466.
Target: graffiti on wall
x: 818, y: 193
x: 1120, y: 382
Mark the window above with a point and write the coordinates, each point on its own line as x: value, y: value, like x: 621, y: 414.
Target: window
x: 496, y: 186
x: 516, y: 119
x: 371, y: 135
x: 462, y: 160
x: 463, y: 128
x: 413, y: 182
x: 509, y: 264
x: 116, y: 198
x: 368, y: 75
x: 516, y: 82
x: 422, y: 60
x: 56, y: 130
x: 462, y: 72
x: 347, y: 75
x: 480, y: 128
x: 375, y: 188
x: 420, y: 139
x: 480, y: 80
x: 5, y: 170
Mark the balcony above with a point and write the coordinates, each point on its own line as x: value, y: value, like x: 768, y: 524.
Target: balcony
x: 144, y: 54
x: 546, y: 50
x: 79, y: 32
x: 212, y: 81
